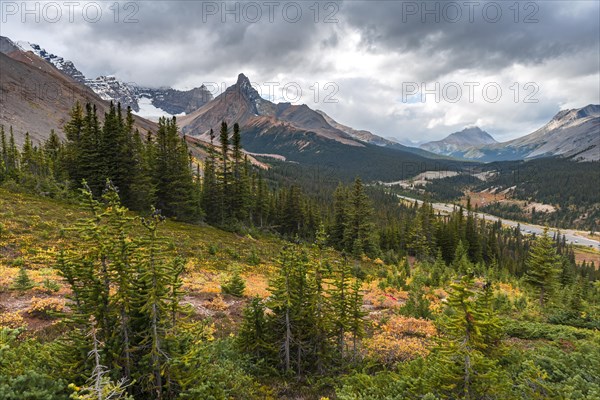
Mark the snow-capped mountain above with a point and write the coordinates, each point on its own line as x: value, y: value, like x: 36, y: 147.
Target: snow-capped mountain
x: 65, y: 66
x: 38, y: 114
x: 155, y: 102
x: 110, y: 88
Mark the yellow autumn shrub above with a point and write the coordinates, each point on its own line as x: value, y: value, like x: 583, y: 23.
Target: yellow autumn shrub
x: 216, y: 304
x: 11, y: 319
x: 400, y: 339
x: 45, y: 307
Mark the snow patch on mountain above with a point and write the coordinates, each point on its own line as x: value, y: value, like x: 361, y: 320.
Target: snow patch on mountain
x: 149, y: 111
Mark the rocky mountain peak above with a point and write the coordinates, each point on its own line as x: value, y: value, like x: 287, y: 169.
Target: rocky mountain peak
x: 243, y: 79
x: 7, y: 45
x: 472, y: 135
x: 244, y: 87
x: 591, y: 110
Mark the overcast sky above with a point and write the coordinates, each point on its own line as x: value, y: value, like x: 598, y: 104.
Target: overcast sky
x: 365, y: 63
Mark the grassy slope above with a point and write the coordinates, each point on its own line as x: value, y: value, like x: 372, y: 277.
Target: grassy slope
x: 33, y: 230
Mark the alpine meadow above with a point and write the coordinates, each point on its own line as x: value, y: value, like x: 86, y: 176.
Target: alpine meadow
x: 300, y: 200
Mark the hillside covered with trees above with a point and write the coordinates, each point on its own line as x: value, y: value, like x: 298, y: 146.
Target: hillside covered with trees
x: 132, y: 270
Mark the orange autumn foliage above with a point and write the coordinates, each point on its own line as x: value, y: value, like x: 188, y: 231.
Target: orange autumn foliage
x: 400, y: 339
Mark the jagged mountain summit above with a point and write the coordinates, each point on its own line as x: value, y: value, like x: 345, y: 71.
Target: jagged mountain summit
x: 458, y: 143
x: 243, y: 104
x: 65, y: 66
x: 300, y: 134
x: 144, y: 101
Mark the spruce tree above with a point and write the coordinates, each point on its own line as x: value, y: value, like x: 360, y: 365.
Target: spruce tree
x: 225, y: 178
x: 22, y: 282
x: 253, y: 336
x: 142, y: 193
x: 358, y: 235
x: 469, y: 329
x: 211, y: 201
x: 340, y: 217
x: 173, y: 177
x: 341, y: 303
x: 235, y: 286
x: 543, y: 266
x: 132, y: 292
x: 356, y: 325
x: 261, y: 202
x: 3, y: 155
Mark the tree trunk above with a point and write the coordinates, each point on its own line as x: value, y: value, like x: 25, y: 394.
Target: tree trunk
x: 155, y: 353
x: 125, y: 329
x: 288, y: 335
x: 467, y: 376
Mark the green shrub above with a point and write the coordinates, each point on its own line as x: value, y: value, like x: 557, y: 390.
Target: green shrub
x: 50, y: 286
x: 253, y: 258
x: 538, y: 330
x: 213, y: 249
x: 22, y: 282
x: 235, y: 286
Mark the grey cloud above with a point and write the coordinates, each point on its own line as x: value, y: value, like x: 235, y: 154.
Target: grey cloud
x: 563, y: 28
x: 172, y: 44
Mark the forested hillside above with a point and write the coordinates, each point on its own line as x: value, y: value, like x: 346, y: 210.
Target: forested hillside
x: 568, y: 186
x: 132, y: 270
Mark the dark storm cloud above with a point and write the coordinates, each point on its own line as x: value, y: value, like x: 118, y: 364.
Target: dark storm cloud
x: 473, y: 34
x: 202, y: 37
x: 172, y: 39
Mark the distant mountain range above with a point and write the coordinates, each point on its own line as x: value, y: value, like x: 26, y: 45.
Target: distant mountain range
x: 571, y: 133
x: 300, y: 134
x: 458, y: 143
x: 287, y: 131
x: 143, y: 100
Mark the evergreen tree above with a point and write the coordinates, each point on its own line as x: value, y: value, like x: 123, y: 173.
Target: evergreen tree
x: 235, y: 286
x: 253, y: 336
x: 53, y: 150
x: 131, y: 291
x: 417, y: 240
x: 356, y: 325
x: 469, y: 329
x: 261, y: 203
x: 340, y: 217
x: 211, y: 201
x: 543, y: 266
x: 22, y: 282
x: 142, y: 193
x: 3, y: 155
x: 358, y: 235
x: 341, y: 303
x: 461, y: 262
x: 175, y: 189
x: 226, y: 208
